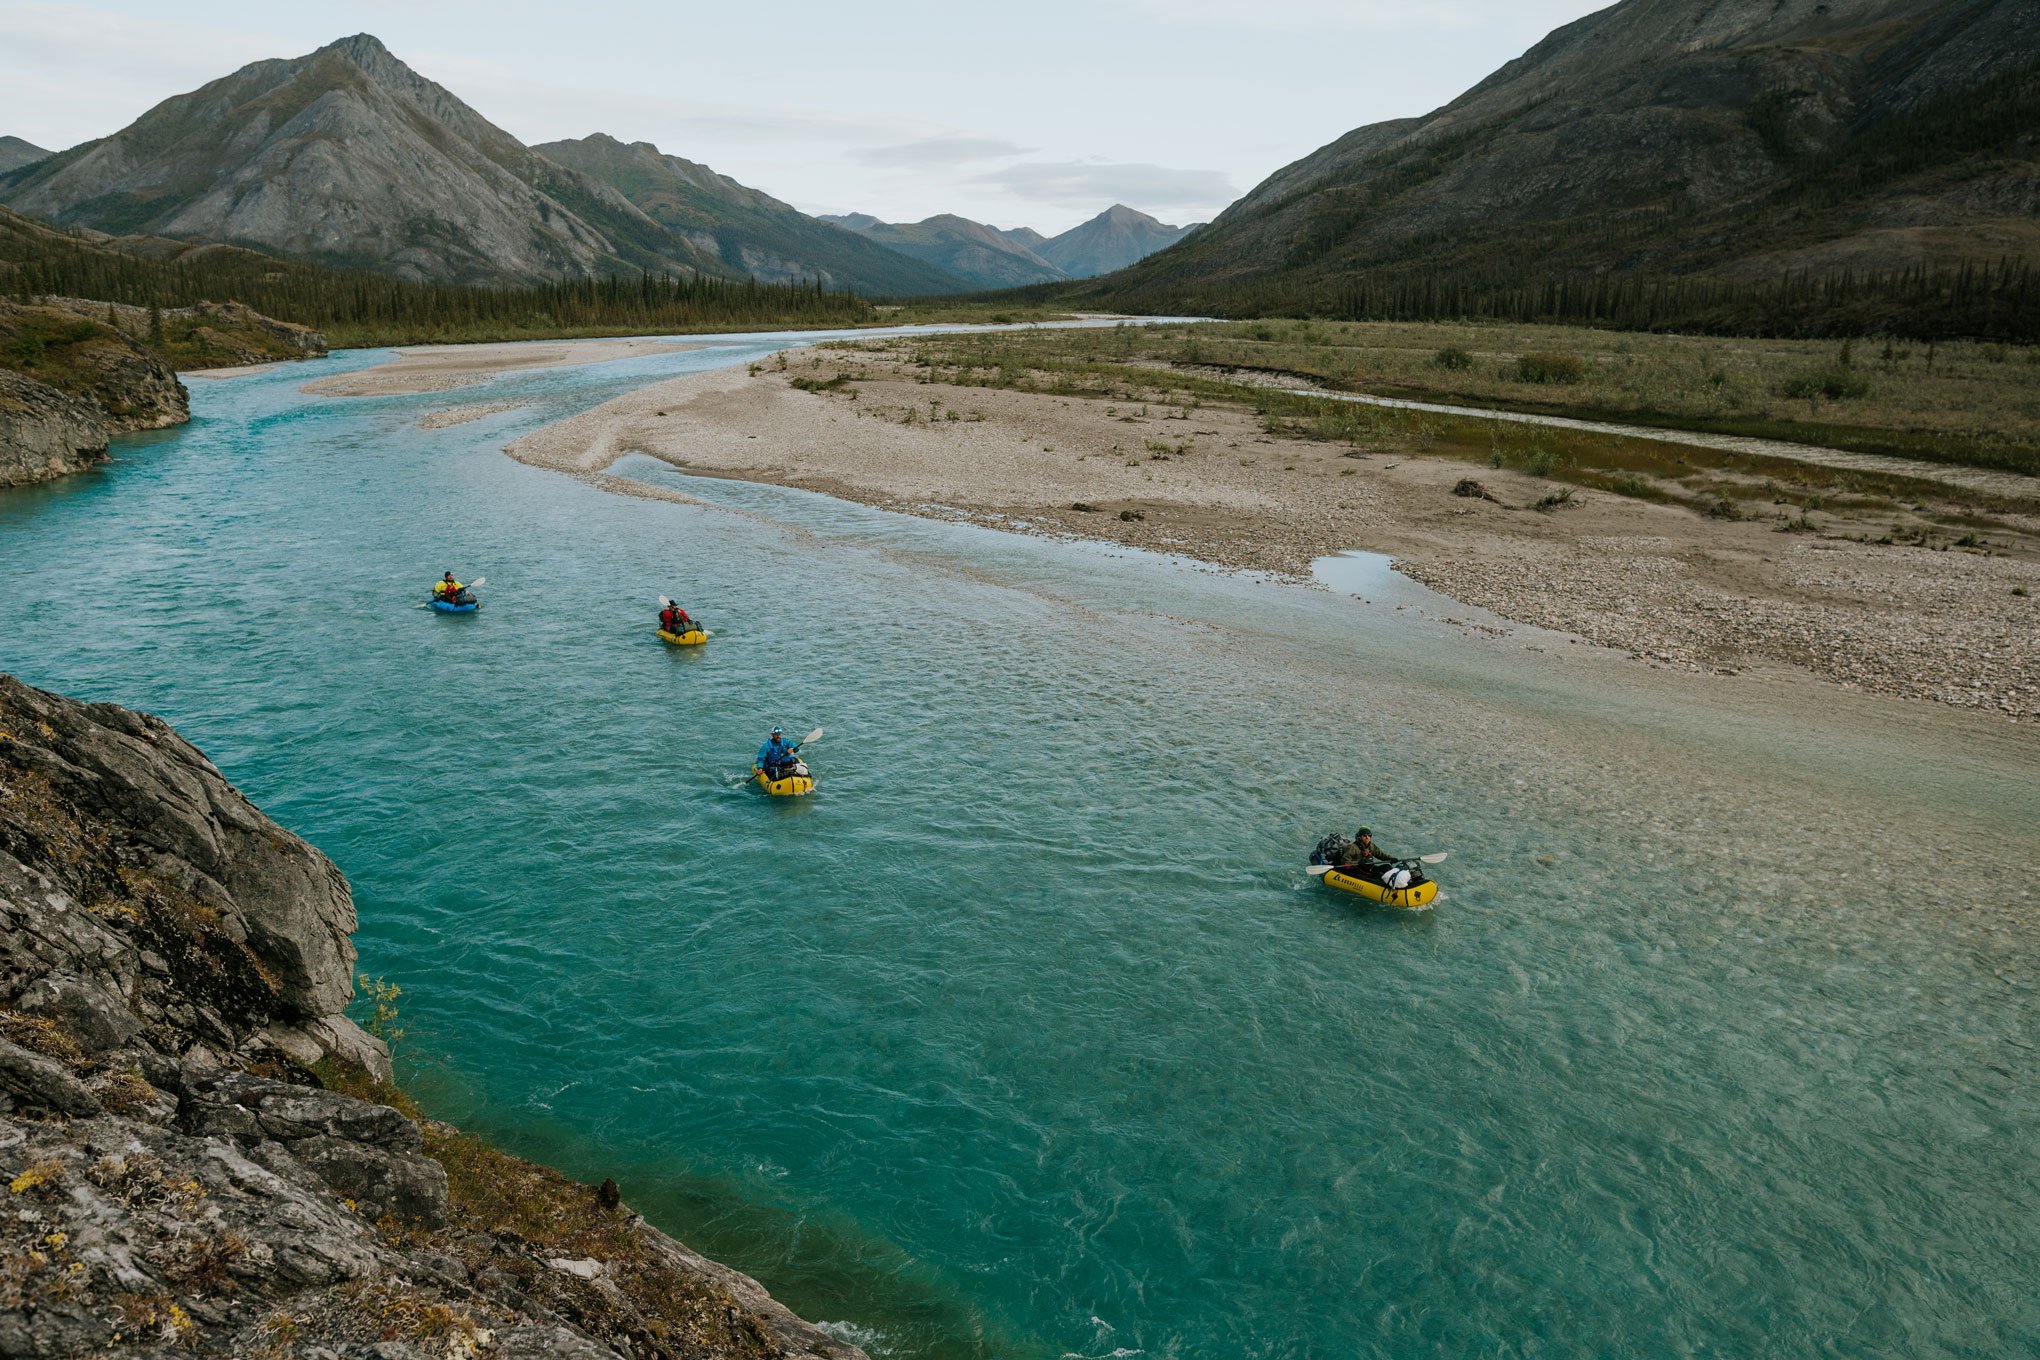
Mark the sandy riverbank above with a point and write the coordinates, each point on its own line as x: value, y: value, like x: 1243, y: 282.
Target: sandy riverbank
x: 1671, y: 586
x: 222, y: 374
x: 442, y: 368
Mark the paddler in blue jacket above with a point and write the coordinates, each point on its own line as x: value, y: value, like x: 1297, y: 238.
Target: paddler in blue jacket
x: 776, y: 755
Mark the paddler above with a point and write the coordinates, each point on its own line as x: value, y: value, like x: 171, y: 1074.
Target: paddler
x: 674, y: 620
x: 776, y: 755
x: 1363, y: 853
x: 447, y: 589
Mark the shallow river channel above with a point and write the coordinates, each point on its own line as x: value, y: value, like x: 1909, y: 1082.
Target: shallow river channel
x: 1027, y: 1035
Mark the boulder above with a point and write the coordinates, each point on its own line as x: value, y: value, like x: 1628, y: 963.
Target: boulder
x: 42, y: 1085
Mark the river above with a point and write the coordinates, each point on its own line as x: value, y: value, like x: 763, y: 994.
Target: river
x: 1027, y: 1035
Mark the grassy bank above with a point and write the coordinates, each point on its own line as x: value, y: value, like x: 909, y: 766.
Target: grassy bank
x: 1961, y: 403
x: 1169, y: 373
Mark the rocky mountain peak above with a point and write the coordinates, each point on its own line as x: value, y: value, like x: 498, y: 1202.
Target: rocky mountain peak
x: 1739, y: 138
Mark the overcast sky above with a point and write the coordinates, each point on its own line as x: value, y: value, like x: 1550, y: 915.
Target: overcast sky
x: 1038, y: 114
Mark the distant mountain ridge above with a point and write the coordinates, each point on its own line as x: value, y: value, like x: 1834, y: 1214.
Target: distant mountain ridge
x: 1112, y: 240
x: 1715, y: 139
x: 15, y: 152
x: 745, y: 229
x: 349, y: 158
x: 979, y: 255
x: 990, y: 257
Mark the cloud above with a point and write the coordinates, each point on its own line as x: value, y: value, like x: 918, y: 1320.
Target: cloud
x: 69, y: 73
x: 931, y: 152
x: 1096, y: 185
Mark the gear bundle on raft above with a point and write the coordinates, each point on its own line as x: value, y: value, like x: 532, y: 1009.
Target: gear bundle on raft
x: 1393, y: 883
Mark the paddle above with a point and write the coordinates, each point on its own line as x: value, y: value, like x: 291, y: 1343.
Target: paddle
x: 815, y: 735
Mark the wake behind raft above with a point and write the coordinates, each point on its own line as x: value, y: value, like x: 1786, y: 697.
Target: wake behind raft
x: 1394, y: 883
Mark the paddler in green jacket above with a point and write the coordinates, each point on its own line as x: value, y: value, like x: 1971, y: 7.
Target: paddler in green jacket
x: 1363, y: 853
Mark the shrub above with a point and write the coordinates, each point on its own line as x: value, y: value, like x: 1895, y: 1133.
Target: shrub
x: 1551, y: 367
x: 1835, y: 383
x: 382, y: 998
x: 1454, y: 358
x: 1631, y: 484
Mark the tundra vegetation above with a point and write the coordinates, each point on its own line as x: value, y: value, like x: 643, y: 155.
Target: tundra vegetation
x: 1969, y: 404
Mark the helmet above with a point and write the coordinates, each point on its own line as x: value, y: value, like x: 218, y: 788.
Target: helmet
x: 776, y: 732
x: 1363, y: 831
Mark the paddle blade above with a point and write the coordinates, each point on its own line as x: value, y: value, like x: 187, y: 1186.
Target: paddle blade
x: 478, y: 583
x: 1318, y: 870
x: 665, y: 603
x: 1438, y: 858
x: 815, y: 735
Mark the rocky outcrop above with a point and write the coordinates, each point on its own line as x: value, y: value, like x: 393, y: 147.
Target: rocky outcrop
x: 45, y: 433
x: 93, y: 360
x: 199, y: 1148
x: 209, y: 335
x: 71, y: 381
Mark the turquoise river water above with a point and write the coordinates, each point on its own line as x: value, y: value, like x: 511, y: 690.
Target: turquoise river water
x: 1027, y: 1035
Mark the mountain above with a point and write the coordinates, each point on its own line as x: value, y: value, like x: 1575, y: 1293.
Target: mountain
x: 15, y: 152
x: 983, y: 257
x: 747, y: 230
x: 1025, y: 236
x: 1729, y: 141
x: 349, y: 158
x: 1113, y: 239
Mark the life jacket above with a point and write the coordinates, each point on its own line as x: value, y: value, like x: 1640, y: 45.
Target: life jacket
x: 667, y: 619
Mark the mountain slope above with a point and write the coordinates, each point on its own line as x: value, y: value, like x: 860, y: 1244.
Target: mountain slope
x: 1113, y: 239
x: 745, y: 229
x: 982, y: 256
x: 1717, y: 139
x: 347, y: 157
x: 15, y: 152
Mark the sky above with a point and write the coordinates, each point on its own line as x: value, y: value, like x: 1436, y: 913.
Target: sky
x: 1041, y: 114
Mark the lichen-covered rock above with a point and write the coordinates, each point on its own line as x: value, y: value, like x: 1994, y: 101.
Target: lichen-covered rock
x: 172, y: 967
x: 171, y: 816
x: 45, y: 433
